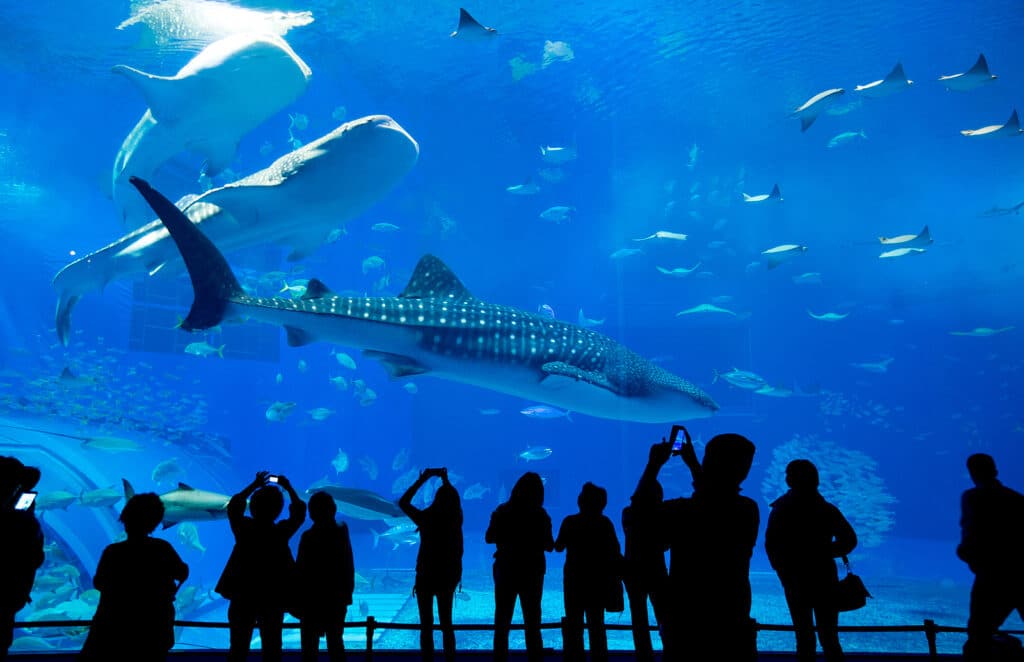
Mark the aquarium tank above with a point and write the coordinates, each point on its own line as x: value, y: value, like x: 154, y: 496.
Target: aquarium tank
x: 529, y: 236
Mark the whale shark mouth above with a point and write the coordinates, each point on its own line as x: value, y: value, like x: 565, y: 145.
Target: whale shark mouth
x: 437, y: 327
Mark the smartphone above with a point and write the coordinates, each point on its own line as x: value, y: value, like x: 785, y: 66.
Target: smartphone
x: 25, y: 501
x: 273, y: 479
x: 677, y: 443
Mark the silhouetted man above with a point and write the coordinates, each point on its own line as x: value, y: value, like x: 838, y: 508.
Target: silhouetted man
x: 711, y: 535
x: 21, y: 545
x: 804, y: 536
x: 646, y: 575
x: 992, y: 544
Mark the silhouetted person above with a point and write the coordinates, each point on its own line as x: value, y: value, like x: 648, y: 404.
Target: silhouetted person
x: 259, y: 578
x: 992, y: 545
x: 521, y: 530
x: 439, y: 563
x: 592, y: 574
x: 711, y: 536
x: 21, y: 545
x: 645, y: 573
x: 804, y: 536
x: 137, y: 580
x: 326, y: 576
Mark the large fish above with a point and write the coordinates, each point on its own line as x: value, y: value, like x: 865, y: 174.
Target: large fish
x: 360, y: 504
x: 228, y: 89
x: 187, y: 504
x: 437, y: 327
x: 296, y: 201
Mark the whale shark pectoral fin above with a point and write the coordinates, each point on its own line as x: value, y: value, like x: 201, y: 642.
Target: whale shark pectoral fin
x: 397, y: 365
x: 806, y: 122
x: 298, y: 337
x: 559, y: 374
x: 433, y: 279
x: 65, y: 304
x: 161, y: 93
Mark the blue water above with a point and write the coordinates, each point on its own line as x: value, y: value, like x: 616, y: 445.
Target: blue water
x: 642, y: 89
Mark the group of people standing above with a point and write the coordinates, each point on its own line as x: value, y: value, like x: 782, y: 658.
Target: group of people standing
x: 701, y: 599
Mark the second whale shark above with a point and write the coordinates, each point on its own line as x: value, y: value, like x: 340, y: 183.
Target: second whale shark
x: 435, y: 326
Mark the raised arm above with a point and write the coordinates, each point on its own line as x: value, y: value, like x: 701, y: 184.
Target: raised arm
x: 405, y: 503
x: 236, y: 506
x: 296, y: 507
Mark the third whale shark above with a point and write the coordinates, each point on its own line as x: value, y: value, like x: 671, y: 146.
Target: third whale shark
x: 435, y: 326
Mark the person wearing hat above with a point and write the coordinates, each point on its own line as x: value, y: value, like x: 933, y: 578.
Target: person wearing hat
x: 21, y: 553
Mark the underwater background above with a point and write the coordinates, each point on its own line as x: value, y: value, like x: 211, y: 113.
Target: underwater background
x: 886, y: 372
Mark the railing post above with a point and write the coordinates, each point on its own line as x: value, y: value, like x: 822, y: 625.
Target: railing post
x: 565, y: 633
x: 929, y: 633
x: 371, y: 625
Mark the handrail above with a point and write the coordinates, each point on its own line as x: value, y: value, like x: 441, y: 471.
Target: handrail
x: 929, y: 627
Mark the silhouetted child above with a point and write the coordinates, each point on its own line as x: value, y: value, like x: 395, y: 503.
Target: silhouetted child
x: 804, y: 536
x: 326, y: 575
x: 439, y: 563
x: 137, y: 580
x: 592, y: 574
x: 645, y: 573
x: 259, y: 578
x: 711, y: 536
x: 992, y: 545
x: 521, y: 530
x: 21, y: 545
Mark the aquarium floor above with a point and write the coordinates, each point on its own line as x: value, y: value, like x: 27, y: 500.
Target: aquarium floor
x: 405, y: 655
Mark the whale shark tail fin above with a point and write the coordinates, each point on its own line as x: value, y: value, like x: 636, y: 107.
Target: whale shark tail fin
x: 213, y: 282
x: 980, y: 67
x: 160, y: 92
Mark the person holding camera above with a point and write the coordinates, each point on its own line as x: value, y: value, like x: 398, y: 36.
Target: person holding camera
x: 259, y: 578
x: 21, y: 553
x: 439, y: 563
x: 711, y: 535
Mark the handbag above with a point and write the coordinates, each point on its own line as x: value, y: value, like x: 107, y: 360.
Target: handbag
x: 850, y: 592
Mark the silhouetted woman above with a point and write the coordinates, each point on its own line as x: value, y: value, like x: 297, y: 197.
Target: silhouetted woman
x: 327, y: 576
x: 805, y: 535
x: 592, y: 575
x: 260, y: 575
x: 439, y: 563
x: 137, y: 580
x: 521, y: 530
x: 645, y: 572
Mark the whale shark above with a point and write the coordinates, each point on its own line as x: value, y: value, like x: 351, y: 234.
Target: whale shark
x: 296, y: 201
x: 973, y: 78
x: 436, y: 327
x: 204, y: 21
x: 226, y: 90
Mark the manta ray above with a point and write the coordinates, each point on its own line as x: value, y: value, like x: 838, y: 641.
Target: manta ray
x: 295, y: 202
x: 229, y: 88
x: 436, y: 327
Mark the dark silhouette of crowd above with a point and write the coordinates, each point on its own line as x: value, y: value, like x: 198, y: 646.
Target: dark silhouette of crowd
x: 701, y: 599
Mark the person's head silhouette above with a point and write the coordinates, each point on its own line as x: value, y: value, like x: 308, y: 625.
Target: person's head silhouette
x: 15, y: 478
x: 447, y: 501
x: 727, y: 460
x: 802, y: 476
x: 982, y: 468
x: 266, y: 504
x: 528, y: 492
x: 592, y: 499
x: 142, y: 514
x: 322, y: 508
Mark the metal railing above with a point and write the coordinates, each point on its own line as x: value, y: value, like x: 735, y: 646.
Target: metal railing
x: 929, y: 627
